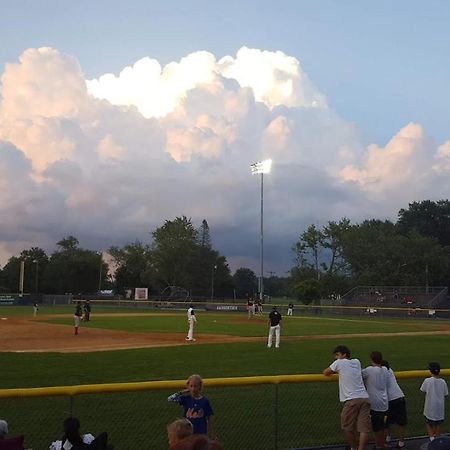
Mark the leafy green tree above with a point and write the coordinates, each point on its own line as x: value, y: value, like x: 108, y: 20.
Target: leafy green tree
x: 277, y: 286
x: 428, y: 218
x: 182, y: 256
x: 173, y: 247
x: 378, y: 254
x: 134, y: 267
x: 307, y: 291
x: 75, y: 270
x: 223, y: 281
x: 35, y: 263
x: 204, y: 235
x: 68, y: 243
x: 245, y: 282
x: 307, y: 249
x: 333, y: 235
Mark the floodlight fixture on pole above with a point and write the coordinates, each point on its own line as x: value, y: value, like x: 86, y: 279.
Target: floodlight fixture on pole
x: 260, y: 168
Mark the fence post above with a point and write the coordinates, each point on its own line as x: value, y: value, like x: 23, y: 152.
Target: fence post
x: 275, y: 418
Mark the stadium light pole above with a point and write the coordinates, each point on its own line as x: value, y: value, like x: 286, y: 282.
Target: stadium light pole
x: 36, y: 275
x: 100, y: 272
x: 260, y: 168
x: 213, y: 269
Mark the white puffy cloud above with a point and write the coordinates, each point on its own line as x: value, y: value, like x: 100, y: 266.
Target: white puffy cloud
x: 108, y: 160
x: 442, y: 158
x: 274, y: 78
x: 397, y: 162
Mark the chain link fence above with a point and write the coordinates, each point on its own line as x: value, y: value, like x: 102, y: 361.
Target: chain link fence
x: 288, y: 412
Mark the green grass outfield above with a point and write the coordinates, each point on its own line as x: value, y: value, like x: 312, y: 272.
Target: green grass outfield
x: 304, y: 406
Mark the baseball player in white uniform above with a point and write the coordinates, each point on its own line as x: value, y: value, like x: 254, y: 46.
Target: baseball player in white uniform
x: 192, y: 320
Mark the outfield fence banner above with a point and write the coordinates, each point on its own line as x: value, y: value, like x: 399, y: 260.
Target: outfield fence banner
x: 13, y: 299
x: 250, y: 413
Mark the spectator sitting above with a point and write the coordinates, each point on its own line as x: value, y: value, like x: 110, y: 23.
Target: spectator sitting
x: 197, y: 442
x: 15, y: 443
x: 72, y: 436
x: 3, y: 429
x: 440, y: 443
x: 178, y: 431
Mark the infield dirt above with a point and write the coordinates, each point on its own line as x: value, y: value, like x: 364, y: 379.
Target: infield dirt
x: 23, y: 334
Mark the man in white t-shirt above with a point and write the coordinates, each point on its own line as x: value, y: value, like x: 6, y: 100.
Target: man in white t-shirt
x: 192, y: 320
x: 376, y: 378
x: 436, y: 390
x: 355, y: 416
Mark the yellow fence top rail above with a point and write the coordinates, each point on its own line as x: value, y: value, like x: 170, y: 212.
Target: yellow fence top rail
x: 178, y: 384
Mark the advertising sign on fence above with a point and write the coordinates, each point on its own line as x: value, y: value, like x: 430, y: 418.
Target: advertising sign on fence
x: 141, y: 294
x: 8, y: 299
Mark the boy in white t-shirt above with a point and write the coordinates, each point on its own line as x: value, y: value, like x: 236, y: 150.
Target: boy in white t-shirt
x: 436, y: 390
x: 355, y: 415
x: 397, y: 408
x: 376, y: 379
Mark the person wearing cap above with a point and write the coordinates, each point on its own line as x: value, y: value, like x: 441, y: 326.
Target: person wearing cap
x: 436, y: 390
x: 274, y: 327
x: 355, y: 415
x: 192, y: 320
x: 3, y: 429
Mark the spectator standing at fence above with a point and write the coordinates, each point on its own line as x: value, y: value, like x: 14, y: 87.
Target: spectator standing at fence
x: 87, y: 311
x: 274, y: 327
x: 35, y: 309
x: 396, y: 414
x: 376, y: 379
x: 178, y: 431
x: 196, y: 407
x: 78, y: 314
x: 355, y: 416
x: 290, y: 309
x: 436, y: 390
x: 192, y: 320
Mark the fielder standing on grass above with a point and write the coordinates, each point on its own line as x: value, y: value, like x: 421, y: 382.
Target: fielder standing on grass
x: 274, y: 327
x: 78, y: 314
x: 192, y: 320
x: 87, y: 311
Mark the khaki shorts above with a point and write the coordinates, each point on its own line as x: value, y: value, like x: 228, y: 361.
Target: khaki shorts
x: 356, y: 415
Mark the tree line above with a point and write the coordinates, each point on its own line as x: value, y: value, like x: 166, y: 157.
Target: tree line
x: 414, y: 250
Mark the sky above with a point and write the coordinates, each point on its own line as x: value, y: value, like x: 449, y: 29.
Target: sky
x: 116, y: 116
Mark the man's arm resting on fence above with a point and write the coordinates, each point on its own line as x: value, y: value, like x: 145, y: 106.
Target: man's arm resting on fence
x: 328, y: 372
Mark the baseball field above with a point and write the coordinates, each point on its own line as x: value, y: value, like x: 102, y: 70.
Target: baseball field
x: 129, y: 345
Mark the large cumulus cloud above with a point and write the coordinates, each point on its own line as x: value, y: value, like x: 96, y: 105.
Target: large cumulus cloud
x: 110, y: 159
